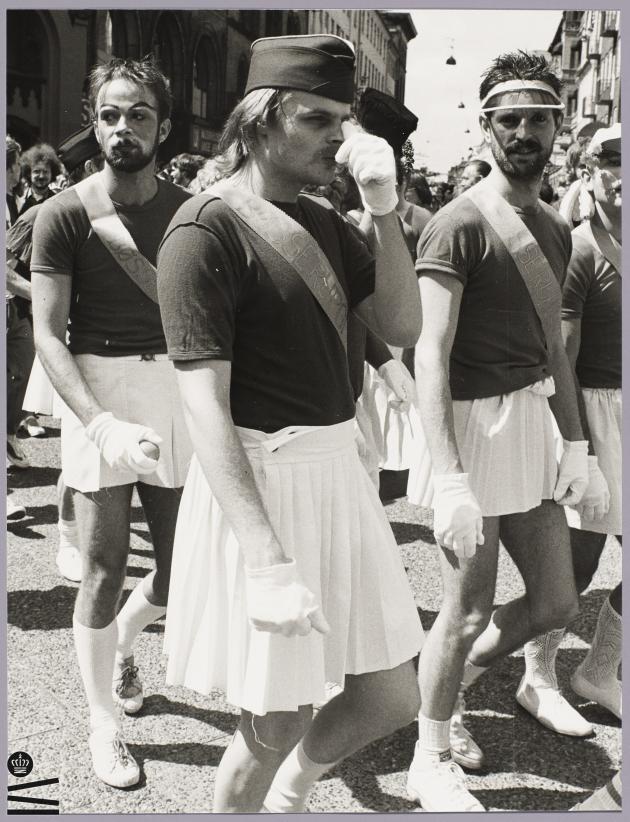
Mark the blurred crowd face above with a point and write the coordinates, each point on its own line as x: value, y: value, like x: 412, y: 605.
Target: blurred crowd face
x: 469, y: 177
x: 521, y: 140
x: 13, y: 174
x: 41, y: 177
x: 127, y: 125
x: 606, y: 180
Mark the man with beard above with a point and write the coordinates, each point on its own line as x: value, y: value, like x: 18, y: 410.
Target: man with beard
x: 94, y: 250
x: 493, y: 370
x: 40, y: 166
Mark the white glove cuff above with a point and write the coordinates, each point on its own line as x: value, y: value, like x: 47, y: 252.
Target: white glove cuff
x: 445, y: 483
x: 282, y: 574
x: 575, y: 446
x: 93, y: 428
x: 387, y: 202
x: 593, y: 463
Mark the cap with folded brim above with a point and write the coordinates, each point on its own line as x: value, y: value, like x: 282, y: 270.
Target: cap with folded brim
x: 321, y: 64
x: 383, y: 115
x: 606, y: 139
x: 78, y: 147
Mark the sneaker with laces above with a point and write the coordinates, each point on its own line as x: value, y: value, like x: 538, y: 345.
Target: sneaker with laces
x: 127, y: 686
x: 438, y: 784
x: 31, y: 426
x: 111, y: 760
x: 606, y: 693
x: 15, y: 512
x: 552, y: 710
x: 16, y: 457
x: 464, y: 749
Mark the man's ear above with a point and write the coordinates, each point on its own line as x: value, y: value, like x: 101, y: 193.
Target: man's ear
x: 484, y: 125
x: 164, y: 130
x: 586, y: 178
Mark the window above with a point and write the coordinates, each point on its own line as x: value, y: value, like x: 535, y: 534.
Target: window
x: 205, y: 101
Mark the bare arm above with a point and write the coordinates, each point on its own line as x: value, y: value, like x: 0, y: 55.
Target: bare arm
x: 205, y: 390
x: 51, y: 305
x: 564, y: 403
x: 394, y: 310
x: 572, y: 337
x: 441, y: 297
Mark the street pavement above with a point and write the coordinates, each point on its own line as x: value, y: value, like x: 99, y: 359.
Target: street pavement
x: 179, y: 736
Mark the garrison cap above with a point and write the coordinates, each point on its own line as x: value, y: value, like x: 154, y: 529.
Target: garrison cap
x: 321, y: 64
x: 383, y: 115
x: 606, y: 139
x: 78, y: 147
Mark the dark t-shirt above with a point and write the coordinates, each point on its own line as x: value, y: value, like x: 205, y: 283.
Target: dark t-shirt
x: 224, y: 296
x: 109, y: 314
x: 499, y: 344
x: 592, y: 294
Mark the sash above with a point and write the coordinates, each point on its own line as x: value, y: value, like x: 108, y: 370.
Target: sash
x: 532, y: 264
x: 601, y: 240
x: 295, y: 245
x: 110, y: 230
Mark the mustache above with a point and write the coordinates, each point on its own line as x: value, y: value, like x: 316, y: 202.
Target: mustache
x: 518, y: 146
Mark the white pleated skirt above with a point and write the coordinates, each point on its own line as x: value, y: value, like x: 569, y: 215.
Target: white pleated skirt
x: 604, y: 415
x: 135, y: 390
x: 506, y: 445
x: 392, y: 429
x: 40, y: 396
x: 328, y: 517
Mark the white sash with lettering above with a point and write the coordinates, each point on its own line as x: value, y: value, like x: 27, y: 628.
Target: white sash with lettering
x: 295, y: 245
x: 110, y: 230
x: 533, y: 266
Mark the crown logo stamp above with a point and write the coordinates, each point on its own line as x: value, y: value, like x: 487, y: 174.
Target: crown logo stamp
x: 20, y: 763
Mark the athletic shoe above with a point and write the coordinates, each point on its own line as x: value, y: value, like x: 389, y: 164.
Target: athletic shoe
x: 127, y: 686
x: 32, y: 427
x: 15, y: 512
x: 16, y: 456
x: 111, y: 759
x: 607, y: 694
x: 464, y: 749
x: 552, y: 710
x: 69, y: 563
x: 439, y: 784
x: 607, y: 798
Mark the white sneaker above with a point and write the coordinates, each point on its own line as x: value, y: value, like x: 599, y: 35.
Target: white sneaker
x: 439, y: 784
x: 32, y: 426
x: 111, y: 759
x: 464, y: 749
x: 607, y: 694
x: 16, y: 455
x: 552, y: 710
x: 15, y: 512
x: 127, y: 689
x: 69, y: 562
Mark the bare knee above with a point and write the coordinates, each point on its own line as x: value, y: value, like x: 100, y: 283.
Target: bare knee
x: 276, y: 733
x: 555, y: 614
x: 466, y: 622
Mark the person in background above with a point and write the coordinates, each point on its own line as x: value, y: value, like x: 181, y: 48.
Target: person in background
x: 473, y: 171
x: 40, y: 167
x: 185, y: 167
x: 417, y: 190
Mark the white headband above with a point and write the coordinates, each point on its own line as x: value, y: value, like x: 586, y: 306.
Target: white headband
x: 522, y: 85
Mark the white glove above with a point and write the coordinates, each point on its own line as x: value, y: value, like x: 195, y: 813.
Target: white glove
x: 119, y: 443
x: 596, y: 499
x: 457, y: 518
x: 278, y: 603
x: 370, y: 160
x: 399, y: 380
x: 573, y: 473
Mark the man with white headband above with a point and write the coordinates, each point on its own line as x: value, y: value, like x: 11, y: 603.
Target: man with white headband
x: 286, y: 573
x: 591, y: 327
x: 493, y: 369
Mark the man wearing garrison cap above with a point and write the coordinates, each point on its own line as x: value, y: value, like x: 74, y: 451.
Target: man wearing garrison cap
x: 286, y: 574
x: 493, y: 370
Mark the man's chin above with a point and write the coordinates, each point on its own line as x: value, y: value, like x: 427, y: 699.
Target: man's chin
x: 128, y: 164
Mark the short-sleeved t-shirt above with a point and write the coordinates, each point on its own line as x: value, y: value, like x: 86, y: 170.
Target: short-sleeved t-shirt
x: 592, y: 294
x: 109, y: 314
x: 499, y: 344
x: 224, y: 296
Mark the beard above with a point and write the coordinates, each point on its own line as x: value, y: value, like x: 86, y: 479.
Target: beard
x: 530, y: 169
x: 131, y: 158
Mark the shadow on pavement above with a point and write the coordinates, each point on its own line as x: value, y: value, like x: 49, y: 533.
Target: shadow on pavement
x: 34, y: 477
x: 180, y: 753
x: 35, y: 515
x: 223, y: 721
x: 41, y: 610
x: 407, y: 532
x: 529, y: 799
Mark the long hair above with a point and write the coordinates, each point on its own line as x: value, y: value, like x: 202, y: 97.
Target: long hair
x: 144, y: 72
x: 41, y: 153
x: 239, y: 136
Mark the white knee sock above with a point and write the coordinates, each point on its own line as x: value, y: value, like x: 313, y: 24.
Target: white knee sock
x: 602, y: 661
x: 134, y: 616
x: 540, y: 659
x: 292, y: 782
x: 96, y: 648
x: 433, y: 734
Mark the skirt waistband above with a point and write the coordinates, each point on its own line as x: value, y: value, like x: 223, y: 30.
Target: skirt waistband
x: 126, y: 357
x: 298, y: 442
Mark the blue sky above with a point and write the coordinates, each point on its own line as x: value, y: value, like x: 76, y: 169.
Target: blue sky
x: 434, y: 90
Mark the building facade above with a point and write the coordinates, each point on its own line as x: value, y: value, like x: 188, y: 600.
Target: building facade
x: 205, y: 54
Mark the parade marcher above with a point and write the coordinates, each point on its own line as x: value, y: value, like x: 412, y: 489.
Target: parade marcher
x: 280, y: 529
x: 19, y: 336
x: 591, y: 326
x: 40, y: 166
x: 94, y: 250
x: 493, y: 369
x: 80, y: 154
x: 473, y: 171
